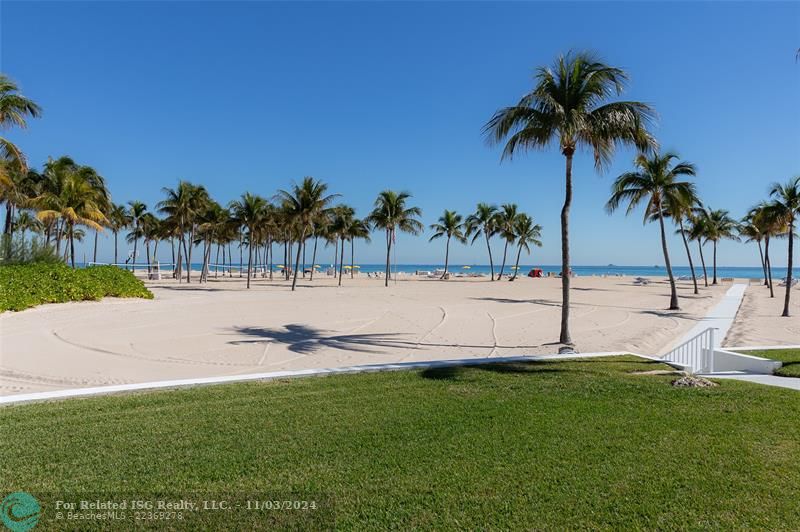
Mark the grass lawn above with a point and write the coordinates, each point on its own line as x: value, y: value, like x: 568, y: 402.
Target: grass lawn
x: 562, y: 444
x: 789, y: 357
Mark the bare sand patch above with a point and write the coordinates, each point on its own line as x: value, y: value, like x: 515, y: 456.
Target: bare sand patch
x: 759, y: 320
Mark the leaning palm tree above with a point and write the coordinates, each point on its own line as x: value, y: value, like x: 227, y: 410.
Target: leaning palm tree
x: 680, y: 209
x: 786, y: 202
x: 718, y: 225
x: 751, y: 231
x: 137, y: 209
x: 504, y: 224
x: 248, y: 211
x: 526, y: 234
x: 569, y: 106
x: 392, y: 214
x: 450, y: 225
x: 695, y: 231
x: 482, y: 222
x: 656, y: 182
x: 303, y: 205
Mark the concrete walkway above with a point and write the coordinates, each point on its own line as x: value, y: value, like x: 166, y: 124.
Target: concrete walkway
x: 720, y: 317
x: 768, y: 380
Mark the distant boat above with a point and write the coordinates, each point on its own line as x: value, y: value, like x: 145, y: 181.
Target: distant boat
x: 656, y: 266
x: 612, y: 265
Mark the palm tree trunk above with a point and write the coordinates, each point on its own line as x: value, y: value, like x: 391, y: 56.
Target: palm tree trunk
x: 715, y: 262
x: 565, y: 337
x: 688, y: 255
x: 116, y: 247
x: 763, y: 262
x: 189, y: 256
x: 703, y: 262
x: 186, y: 250
x: 271, y: 256
x: 72, y: 246
x: 489, y: 247
x: 135, y: 247
x: 176, y: 263
x: 446, y: 257
x: 673, y: 290
x: 9, y: 217
x: 249, y: 258
x: 304, y: 258
x: 155, y: 255
x: 789, y: 270
x: 352, y: 258
x: 503, y: 266
x: 241, y: 243
x: 388, y: 251
x: 216, y: 263
x: 172, y: 245
x: 297, y: 262
x: 147, y: 251
x: 516, y: 266
x: 769, y: 267
x: 341, y: 263
x: 314, y: 257
x: 94, y: 254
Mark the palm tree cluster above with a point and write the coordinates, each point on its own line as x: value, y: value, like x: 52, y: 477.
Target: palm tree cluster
x: 513, y: 228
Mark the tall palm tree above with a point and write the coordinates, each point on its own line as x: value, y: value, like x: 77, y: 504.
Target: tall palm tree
x: 680, y: 209
x: 136, y: 210
x: 358, y: 229
x: 656, y: 182
x: 450, y: 225
x: 569, y: 106
x: 504, y: 224
x: 118, y: 219
x: 341, y: 226
x: 303, y: 205
x: 769, y: 222
x: 248, y: 211
x: 482, y: 222
x: 695, y: 231
x: 15, y: 109
x: 751, y: 231
x: 392, y: 214
x: 786, y: 202
x: 526, y: 234
x: 718, y: 225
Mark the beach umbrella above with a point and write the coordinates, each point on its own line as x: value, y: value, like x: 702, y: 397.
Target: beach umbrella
x: 357, y: 267
x: 466, y: 267
x: 515, y: 267
x: 348, y: 267
x: 281, y: 266
x: 317, y: 266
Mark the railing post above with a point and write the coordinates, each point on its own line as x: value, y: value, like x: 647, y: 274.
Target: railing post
x: 711, y: 348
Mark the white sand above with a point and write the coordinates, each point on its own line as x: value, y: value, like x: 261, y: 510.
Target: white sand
x: 759, y: 320
x: 222, y: 329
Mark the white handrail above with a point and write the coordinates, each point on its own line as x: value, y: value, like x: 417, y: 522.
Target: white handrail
x: 697, y: 353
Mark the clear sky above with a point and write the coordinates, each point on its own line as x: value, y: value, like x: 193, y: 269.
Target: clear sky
x: 367, y: 96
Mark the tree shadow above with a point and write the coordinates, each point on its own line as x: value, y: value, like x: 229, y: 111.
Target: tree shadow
x: 303, y: 339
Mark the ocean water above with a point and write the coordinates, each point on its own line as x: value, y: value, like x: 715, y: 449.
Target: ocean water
x: 740, y: 272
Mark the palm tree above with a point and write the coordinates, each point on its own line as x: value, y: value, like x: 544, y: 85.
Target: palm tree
x: 78, y: 202
x: 358, y: 229
x: 786, y: 202
x: 752, y: 231
x: 450, y: 224
x: 136, y: 211
x: 681, y: 209
x: 695, y: 231
x: 526, y: 234
x: 718, y: 225
x: 569, y: 106
x: 504, y: 225
x: 248, y: 211
x: 15, y: 109
x: 181, y: 207
x: 655, y: 181
x: 482, y: 222
x: 303, y: 205
x: 343, y: 217
x: 391, y: 214
x: 118, y: 219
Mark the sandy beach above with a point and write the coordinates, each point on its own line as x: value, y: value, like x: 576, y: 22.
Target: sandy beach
x: 759, y: 320
x: 221, y: 328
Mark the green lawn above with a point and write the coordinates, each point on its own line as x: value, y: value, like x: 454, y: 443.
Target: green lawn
x: 562, y: 444
x: 789, y: 357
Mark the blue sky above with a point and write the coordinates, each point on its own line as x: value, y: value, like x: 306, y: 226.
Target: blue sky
x: 367, y: 96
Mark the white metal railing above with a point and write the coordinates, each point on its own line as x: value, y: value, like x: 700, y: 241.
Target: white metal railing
x: 697, y: 353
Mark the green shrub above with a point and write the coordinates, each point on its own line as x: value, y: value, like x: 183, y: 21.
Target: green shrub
x: 17, y: 250
x: 27, y: 285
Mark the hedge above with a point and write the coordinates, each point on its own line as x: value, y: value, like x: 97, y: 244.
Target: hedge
x: 28, y: 285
